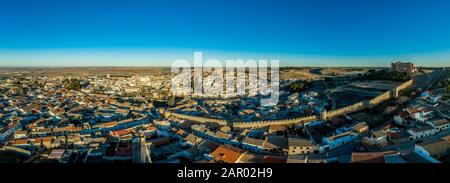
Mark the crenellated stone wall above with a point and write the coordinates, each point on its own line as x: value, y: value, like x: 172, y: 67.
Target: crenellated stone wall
x: 368, y: 103
x: 195, y: 118
x: 258, y: 124
x: 405, y: 85
x: 305, y: 120
x: 345, y: 110
x: 16, y: 150
x: 380, y: 98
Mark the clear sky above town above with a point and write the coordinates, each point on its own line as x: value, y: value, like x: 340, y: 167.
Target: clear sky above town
x: 155, y: 33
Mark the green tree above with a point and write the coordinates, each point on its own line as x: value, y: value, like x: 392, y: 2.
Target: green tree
x: 299, y: 86
x: 72, y: 84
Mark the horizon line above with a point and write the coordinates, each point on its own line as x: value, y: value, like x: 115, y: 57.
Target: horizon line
x: 293, y: 66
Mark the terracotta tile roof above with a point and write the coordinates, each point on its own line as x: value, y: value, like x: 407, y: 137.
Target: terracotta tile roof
x: 274, y: 159
x: 109, y: 124
x: 370, y: 157
x: 227, y: 154
x: 120, y: 132
x: 67, y: 128
x: 181, y: 133
x: 43, y: 139
x: 19, y: 142
x: 151, y: 127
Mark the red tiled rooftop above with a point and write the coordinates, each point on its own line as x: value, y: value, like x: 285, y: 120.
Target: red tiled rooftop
x: 151, y: 127
x: 121, y: 132
x: 274, y: 159
x: 227, y: 154
x: 109, y: 124
x: 370, y: 157
x: 43, y: 139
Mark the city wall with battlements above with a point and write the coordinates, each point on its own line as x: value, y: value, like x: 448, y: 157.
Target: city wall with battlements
x: 16, y: 150
x: 304, y: 120
x: 368, y: 103
x: 195, y: 118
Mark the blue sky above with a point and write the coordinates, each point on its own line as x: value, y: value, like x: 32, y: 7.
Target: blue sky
x: 154, y: 33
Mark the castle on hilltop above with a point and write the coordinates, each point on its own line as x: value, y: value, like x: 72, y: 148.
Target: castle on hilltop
x: 406, y: 67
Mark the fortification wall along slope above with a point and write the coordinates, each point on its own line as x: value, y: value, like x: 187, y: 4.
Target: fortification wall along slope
x: 345, y: 110
x: 197, y: 118
x: 405, y: 85
x: 250, y: 124
x: 381, y: 98
x: 369, y: 103
x: 12, y: 149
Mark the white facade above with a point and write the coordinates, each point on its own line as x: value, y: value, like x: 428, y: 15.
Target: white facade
x: 439, y: 125
x: 421, y: 134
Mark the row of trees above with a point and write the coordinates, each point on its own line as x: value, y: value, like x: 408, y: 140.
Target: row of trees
x: 299, y: 86
x: 72, y: 84
x: 386, y: 75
